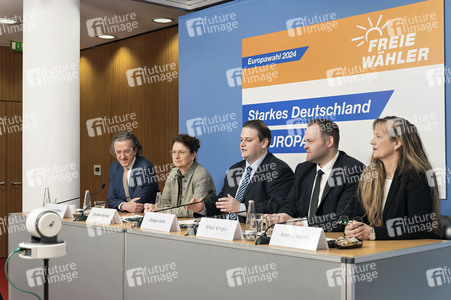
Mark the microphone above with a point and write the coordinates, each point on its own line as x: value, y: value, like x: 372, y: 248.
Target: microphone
x: 101, y: 188
x: 82, y: 217
x: 138, y: 224
x: 264, y: 239
x: 183, y: 205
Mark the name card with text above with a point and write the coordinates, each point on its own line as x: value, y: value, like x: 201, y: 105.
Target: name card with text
x: 228, y: 230
x: 62, y: 210
x: 105, y: 216
x: 160, y: 221
x: 300, y: 237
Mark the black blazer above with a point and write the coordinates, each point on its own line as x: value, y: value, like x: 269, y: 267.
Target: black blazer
x: 268, y: 187
x: 408, y: 211
x: 338, y: 197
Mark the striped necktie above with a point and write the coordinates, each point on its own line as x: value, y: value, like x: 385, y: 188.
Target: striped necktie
x: 242, y: 189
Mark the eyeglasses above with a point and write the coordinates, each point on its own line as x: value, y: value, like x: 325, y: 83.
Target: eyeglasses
x: 344, y: 220
x: 173, y: 153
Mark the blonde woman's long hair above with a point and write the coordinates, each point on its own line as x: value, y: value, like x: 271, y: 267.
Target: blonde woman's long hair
x: 413, y: 157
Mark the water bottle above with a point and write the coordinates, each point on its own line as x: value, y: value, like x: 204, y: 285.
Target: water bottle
x: 87, y: 201
x: 47, y: 199
x: 250, y: 231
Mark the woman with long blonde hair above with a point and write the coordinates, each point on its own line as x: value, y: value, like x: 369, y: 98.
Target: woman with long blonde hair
x: 398, y: 196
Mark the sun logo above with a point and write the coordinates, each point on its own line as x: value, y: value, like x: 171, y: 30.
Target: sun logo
x: 372, y: 29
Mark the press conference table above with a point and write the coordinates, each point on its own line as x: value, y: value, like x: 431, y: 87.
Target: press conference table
x: 121, y: 262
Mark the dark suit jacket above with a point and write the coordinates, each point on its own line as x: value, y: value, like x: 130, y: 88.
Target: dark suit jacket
x: 142, y: 183
x: 268, y: 187
x: 408, y: 209
x: 338, y: 197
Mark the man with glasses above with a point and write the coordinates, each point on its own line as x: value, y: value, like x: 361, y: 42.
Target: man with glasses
x: 325, y: 185
x: 132, y: 177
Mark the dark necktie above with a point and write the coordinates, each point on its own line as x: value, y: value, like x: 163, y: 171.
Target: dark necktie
x: 242, y: 189
x: 315, y: 196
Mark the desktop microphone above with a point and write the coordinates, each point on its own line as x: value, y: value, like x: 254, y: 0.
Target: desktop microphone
x: 61, y: 202
x: 83, y: 217
x: 138, y: 224
x: 264, y: 239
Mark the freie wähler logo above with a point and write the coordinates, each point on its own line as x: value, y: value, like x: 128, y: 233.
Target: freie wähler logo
x: 151, y: 275
x: 58, y: 173
x: 249, y: 275
x: 18, y: 123
x: 56, y: 274
x: 210, y: 125
x: 51, y: 75
x: 438, y: 276
x: 111, y: 25
x: 211, y: 25
x: 140, y: 76
x: 114, y: 124
x: 388, y: 51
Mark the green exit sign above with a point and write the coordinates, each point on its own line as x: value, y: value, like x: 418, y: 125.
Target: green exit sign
x: 15, y: 46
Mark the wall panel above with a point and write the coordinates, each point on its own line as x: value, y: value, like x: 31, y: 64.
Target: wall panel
x: 107, y: 94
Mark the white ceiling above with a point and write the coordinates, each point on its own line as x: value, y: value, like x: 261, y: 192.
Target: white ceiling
x: 145, y: 11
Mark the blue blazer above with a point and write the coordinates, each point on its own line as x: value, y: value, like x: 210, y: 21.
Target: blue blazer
x: 142, y: 183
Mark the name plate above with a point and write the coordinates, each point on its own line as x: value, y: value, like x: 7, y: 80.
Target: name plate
x: 300, y: 237
x: 62, y: 210
x: 105, y: 216
x: 161, y: 222
x: 228, y: 230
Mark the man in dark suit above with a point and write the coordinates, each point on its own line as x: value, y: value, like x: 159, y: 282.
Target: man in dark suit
x: 260, y: 177
x: 132, y: 177
x: 325, y: 185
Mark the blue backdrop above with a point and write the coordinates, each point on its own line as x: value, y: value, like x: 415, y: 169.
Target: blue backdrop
x: 210, y: 58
